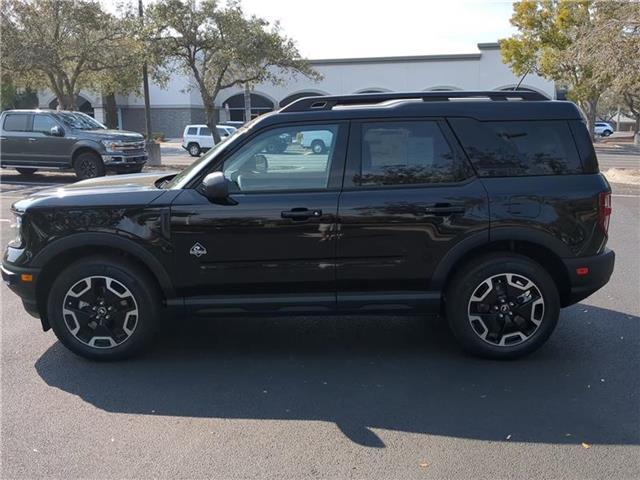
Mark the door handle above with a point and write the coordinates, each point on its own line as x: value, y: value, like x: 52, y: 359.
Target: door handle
x: 444, y: 209
x: 301, y: 213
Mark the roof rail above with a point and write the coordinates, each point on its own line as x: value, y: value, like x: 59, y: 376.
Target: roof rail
x: 327, y: 103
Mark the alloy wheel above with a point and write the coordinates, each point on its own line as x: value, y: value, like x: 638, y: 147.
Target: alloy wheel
x: 506, y: 309
x: 100, y: 312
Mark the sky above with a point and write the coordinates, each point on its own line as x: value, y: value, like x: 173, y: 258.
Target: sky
x: 361, y: 28
x: 377, y: 28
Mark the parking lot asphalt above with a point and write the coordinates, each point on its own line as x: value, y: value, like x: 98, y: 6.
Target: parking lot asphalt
x: 332, y: 397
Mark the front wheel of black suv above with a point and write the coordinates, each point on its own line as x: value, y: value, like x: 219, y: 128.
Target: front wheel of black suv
x: 104, y: 308
x: 502, y: 306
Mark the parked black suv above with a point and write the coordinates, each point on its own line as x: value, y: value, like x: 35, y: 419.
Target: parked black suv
x: 32, y: 140
x: 487, y: 206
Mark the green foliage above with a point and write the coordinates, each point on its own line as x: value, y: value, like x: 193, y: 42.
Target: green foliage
x: 67, y: 46
x: 220, y: 47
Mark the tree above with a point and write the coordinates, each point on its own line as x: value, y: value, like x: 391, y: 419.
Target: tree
x: 219, y: 47
x: 616, y: 25
x: 548, y: 32
x: 66, y: 46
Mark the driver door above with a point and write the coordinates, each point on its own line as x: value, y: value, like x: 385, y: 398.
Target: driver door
x: 272, y: 245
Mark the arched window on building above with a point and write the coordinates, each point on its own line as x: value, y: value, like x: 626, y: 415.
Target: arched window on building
x: 82, y: 103
x: 259, y: 105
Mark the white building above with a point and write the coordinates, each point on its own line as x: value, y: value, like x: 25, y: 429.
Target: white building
x: 174, y: 107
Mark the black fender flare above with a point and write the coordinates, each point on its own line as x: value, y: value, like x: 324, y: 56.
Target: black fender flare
x: 92, y: 145
x: 93, y: 239
x: 485, y: 238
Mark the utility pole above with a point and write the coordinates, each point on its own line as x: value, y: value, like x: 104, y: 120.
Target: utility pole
x: 153, y: 150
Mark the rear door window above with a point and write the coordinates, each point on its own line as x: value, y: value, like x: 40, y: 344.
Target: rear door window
x: 205, y: 132
x: 17, y: 122
x: 407, y: 152
x: 518, y: 148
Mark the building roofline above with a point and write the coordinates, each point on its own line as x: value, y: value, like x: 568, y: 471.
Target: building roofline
x: 398, y: 59
x: 408, y: 58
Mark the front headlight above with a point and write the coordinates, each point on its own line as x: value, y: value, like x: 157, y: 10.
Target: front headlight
x: 111, y: 145
x: 17, y: 226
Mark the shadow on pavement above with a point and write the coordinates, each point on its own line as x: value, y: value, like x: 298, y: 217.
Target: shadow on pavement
x: 402, y: 374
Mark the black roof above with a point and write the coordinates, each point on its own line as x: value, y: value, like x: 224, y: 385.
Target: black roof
x: 481, y: 105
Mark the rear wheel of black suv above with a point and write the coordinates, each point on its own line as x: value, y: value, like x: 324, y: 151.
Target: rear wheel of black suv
x: 103, y: 308
x: 502, y: 306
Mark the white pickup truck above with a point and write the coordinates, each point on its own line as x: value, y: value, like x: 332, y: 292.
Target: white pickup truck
x: 318, y: 141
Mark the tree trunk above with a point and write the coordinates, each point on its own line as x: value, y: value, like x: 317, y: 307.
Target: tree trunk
x: 247, y: 104
x: 213, y: 117
x: 589, y: 109
x: 110, y: 110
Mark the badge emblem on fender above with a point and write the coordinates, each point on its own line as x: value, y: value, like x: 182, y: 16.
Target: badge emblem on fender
x: 198, y: 250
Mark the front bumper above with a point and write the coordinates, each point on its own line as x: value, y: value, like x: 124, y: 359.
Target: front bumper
x: 121, y: 160
x: 22, y: 281
x: 599, y: 269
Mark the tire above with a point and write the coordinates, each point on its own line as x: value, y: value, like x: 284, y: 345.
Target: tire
x: 82, y: 323
x: 529, y: 315
x: 606, y: 133
x: 88, y: 165
x: 194, y: 149
x: 26, y: 171
x: 318, y: 147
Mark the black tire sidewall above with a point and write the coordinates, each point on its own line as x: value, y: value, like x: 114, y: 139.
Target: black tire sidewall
x: 319, y: 143
x: 467, y: 280
x: 95, y: 159
x: 146, y: 296
x: 190, y: 146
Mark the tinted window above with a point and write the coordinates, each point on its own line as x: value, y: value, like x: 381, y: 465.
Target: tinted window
x: 205, y: 131
x: 518, y: 148
x: 192, y: 131
x: 283, y: 159
x: 407, y: 152
x: 43, y: 124
x: 16, y: 122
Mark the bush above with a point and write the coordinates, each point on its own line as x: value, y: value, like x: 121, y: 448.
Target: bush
x: 158, y: 136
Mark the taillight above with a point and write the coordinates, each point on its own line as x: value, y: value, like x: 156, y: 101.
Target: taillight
x: 604, y: 211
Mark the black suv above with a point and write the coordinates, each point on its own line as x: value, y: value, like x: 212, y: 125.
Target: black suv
x: 486, y: 206
x: 32, y: 140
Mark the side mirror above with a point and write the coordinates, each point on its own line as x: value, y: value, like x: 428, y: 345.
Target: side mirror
x: 260, y: 163
x: 215, y: 187
x: 56, y: 131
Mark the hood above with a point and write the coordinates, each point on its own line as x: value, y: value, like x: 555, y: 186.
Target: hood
x: 137, y: 188
x: 114, y: 134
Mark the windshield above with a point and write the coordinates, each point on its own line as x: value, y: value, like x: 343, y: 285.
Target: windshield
x: 79, y: 121
x: 182, y: 178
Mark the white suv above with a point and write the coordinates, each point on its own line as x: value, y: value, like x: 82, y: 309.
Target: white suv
x: 603, y: 128
x: 197, y: 138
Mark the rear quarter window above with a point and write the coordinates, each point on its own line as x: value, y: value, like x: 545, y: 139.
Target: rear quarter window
x: 192, y: 131
x: 518, y: 148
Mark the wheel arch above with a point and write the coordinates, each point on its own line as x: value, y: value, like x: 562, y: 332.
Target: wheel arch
x: 84, y: 148
x: 545, y: 253
x: 63, y: 252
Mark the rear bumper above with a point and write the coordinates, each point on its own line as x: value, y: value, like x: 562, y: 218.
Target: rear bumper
x: 26, y: 290
x: 599, y: 270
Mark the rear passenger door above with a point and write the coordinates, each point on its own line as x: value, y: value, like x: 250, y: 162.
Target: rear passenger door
x: 409, y: 199
x: 46, y: 149
x: 15, y: 138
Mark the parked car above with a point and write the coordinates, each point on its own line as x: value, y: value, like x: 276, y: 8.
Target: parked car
x: 603, y: 128
x: 489, y: 209
x: 197, y: 139
x: 318, y: 141
x: 32, y: 140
